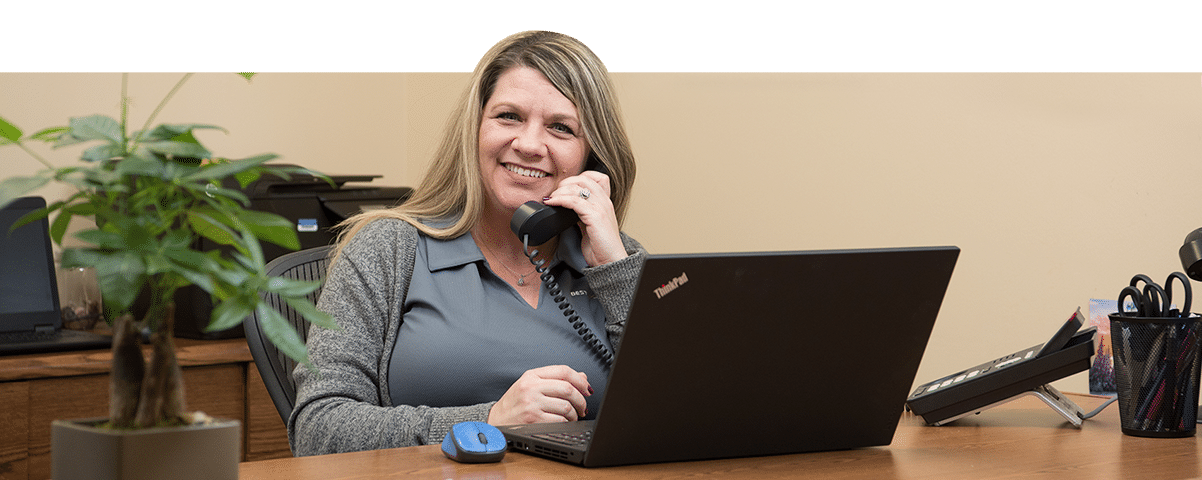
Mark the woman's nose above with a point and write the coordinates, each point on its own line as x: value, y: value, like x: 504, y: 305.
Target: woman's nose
x: 529, y: 141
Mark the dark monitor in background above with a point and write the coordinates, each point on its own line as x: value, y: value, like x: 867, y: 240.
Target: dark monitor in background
x: 28, y: 291
x: 30, y: 318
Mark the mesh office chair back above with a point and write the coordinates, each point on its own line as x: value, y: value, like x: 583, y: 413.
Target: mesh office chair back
x: 275, y: 367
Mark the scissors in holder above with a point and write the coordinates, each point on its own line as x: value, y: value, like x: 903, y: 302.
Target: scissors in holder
x: 1154, y: 300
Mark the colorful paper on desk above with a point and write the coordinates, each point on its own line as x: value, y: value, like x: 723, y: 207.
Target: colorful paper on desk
x: 1101, y: 373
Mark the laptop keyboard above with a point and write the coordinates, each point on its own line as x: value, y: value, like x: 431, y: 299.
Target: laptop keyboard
x: 17, y: 343
x: 29, y: 337
x: 574, y: 439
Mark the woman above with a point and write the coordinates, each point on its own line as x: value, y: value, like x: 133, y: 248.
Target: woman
x: 443, y: 318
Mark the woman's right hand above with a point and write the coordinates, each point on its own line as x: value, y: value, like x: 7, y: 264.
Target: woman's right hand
x: 543, y: 395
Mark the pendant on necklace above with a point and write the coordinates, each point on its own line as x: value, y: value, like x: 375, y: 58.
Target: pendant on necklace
x: 522, y: 280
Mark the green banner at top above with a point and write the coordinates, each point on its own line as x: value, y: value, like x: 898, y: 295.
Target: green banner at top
x: 630, y: 36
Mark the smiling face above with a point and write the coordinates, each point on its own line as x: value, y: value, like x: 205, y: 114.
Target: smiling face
x: 530, y: 139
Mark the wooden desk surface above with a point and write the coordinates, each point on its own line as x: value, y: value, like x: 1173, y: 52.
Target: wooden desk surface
x: 1023, y: 438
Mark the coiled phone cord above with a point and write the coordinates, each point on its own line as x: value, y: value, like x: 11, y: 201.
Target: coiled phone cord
x: 561, y: 301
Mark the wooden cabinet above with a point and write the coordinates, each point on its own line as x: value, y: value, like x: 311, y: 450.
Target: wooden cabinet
x: 220, y: 379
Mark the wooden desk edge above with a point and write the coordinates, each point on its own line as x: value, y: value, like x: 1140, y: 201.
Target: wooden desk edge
x: 88, y: 362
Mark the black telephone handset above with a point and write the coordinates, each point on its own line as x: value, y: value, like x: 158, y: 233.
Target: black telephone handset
x: 535, y: 224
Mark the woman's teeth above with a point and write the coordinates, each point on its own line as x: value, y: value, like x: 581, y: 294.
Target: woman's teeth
x: 524, y: 172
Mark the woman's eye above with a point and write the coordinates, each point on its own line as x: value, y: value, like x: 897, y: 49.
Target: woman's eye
x: 509, y: 116
x: 561, y: 128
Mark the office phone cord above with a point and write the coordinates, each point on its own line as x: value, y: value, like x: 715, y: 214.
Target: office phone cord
x: 1099, y: 409
x: 561, y: 301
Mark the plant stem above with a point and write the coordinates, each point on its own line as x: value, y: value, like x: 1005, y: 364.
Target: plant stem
x: 129, y: 368
x: 124, y: 109
x: 34, y: 155
x: 162, y: 397
x: 158, y: 109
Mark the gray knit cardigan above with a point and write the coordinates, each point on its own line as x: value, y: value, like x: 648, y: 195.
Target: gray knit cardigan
x: 344, y: 405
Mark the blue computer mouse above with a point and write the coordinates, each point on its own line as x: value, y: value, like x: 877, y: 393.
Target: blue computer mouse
x: 474, y: 442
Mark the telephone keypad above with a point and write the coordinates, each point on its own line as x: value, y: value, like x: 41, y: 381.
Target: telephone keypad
x: 985, y: 368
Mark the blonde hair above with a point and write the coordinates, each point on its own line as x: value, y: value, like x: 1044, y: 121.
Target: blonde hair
x: 453, y: 186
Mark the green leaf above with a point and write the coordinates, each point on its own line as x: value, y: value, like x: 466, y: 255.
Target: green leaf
x: 234, y: 276
x: 310, y: 312
x: 140, y: 166
x: 177, y: 148
x: 272, y: 228
x: 178, y: 239
x: 211, y: 191
x: 9, y: 131
x: 29, y: 217
x: 119, y: 232
x: 221, y: 170
x: 290, y: 288
x: 250, y: 247
x: 121, y: 275
x: 247, y: 75
x: 281, y: 334
x: 245, y: 178
x: 181, y: 132
x: 58, y: 229
x: 49, y: 135
x: 192, y: 266
x: 94, y: 127
x: 13, y: 188
x: 210, y: 228
x: 102, y: 239
x: 231, y: 313
x: 102, y: 152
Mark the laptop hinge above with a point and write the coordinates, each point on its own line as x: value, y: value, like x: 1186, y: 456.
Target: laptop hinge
x: 43, y: 329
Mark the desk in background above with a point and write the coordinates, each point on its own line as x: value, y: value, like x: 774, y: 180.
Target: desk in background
x: 219, y: 377
x: 1020, y: 439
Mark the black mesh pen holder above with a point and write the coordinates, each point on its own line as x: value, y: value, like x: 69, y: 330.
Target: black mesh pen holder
x: 1156, y: 367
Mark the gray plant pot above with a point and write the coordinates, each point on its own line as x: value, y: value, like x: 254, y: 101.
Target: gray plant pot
x: 79, y: 450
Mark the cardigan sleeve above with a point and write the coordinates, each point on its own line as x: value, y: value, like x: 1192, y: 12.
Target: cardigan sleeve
x: 614, y: 284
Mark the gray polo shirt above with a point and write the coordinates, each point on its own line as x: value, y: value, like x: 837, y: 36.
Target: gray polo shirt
x: 467, y: 335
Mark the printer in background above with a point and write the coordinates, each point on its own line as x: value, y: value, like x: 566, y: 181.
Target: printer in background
x: 312, y: 205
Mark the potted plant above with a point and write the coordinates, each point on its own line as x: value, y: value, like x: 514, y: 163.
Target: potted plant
x: 153, y: 193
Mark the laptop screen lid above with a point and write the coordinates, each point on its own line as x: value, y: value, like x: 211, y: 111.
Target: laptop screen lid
x: 28, y: 290
x: 730, y: 355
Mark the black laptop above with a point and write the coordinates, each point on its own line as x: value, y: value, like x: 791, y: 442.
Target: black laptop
x: 30, y: 319
x: 734, y: 355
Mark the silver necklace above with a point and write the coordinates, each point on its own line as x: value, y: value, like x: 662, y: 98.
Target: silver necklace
x: 521, y: 277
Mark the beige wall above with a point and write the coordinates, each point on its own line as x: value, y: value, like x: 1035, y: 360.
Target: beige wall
x: 1058, y: 187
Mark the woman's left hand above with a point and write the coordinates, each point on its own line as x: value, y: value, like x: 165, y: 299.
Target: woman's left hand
x: 588, y: 195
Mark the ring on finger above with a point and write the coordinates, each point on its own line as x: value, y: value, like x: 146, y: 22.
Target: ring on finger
x: 584, y: 193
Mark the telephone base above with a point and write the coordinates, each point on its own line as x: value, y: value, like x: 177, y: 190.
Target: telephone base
x: 1049, y: 394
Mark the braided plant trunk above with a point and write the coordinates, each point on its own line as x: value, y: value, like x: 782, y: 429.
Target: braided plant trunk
x: 146, y: 394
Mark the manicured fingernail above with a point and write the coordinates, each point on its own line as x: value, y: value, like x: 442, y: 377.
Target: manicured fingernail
x: 546, y: 198
x: 590, y: 390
